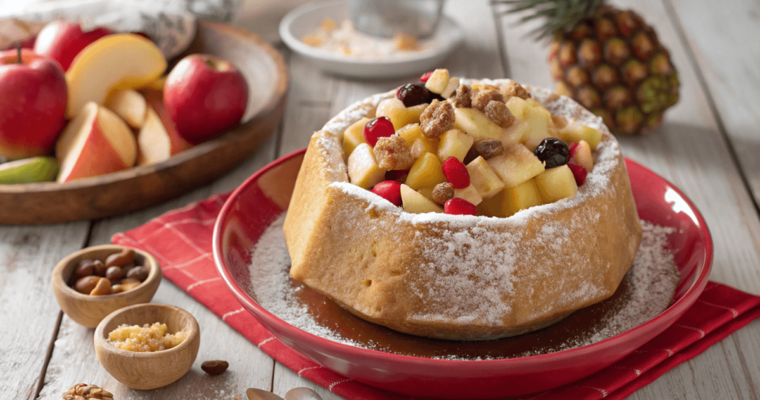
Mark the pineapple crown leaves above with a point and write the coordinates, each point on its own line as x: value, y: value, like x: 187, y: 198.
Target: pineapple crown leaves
x: 558, y: 15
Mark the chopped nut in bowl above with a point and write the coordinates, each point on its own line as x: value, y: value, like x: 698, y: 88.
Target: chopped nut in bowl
x: 93, y: 282
x: 147, y: 346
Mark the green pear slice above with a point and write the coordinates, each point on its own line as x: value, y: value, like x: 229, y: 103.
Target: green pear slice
x: 29, y: 170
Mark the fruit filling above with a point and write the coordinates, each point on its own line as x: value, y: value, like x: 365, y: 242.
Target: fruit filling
x: 447, y: 147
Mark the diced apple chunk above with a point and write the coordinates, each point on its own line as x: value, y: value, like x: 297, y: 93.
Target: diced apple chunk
x: 477, y: 124
x: 399, y: 114
x: 582, y: 156
x: 422, y: 146
x: 450, y: 88
x: 483, y: 178
x: 535, y: 115
x: 354, y: 136
x: 414, y: 202
x: 438, y: 81
x: 470, y: 194
x: 363, y: 170
x: 454, y: 143
x: 574, y: 132
x: 426, y: 172
x: 556, y: 184
x: 515, y: 133
x: 129, y: 105
x: 516, y: 165
x: 511, y: 200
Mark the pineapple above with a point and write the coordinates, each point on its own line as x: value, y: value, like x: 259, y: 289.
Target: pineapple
x: 609, y: 60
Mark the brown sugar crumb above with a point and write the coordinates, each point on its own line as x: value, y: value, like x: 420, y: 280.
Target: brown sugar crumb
x: 481, y: 99
x: 514, y: 89
x: 488, y: 148
x: 443, y: 192
x: 403, y: 41
x: 392, y: 153
x: 437, y: 118
x: 461, y: 98
x: 499, y: 113
x: 146, y: 338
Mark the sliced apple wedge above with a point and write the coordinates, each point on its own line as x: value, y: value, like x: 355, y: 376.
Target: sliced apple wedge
x: 129, y: 105
x: 96, y: 142
x: 114, y: 62
x: 158, y: 138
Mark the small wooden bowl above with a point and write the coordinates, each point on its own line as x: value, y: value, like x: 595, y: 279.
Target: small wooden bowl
x: 150, y: 370
x: 90, y: 310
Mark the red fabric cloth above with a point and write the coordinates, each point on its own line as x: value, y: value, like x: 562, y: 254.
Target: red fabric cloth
x: 181, y: 240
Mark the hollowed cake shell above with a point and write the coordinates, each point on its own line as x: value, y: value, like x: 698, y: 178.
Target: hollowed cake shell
x: 460, y: 277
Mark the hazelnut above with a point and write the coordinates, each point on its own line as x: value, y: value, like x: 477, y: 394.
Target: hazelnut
x: 126, y: 268
x: 125, y: 257
x: 114, y: 274
x: 100, y: 268
x: 85, y: 268
x: 138, y: 273
x: 102, y: 288
x: 87, y: 284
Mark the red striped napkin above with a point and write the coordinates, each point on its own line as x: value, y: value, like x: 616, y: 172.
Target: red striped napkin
x: 181, y: 240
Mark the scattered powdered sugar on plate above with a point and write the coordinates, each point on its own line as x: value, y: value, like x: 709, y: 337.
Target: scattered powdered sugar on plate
x: 271, y: 287
x: 649, y: 288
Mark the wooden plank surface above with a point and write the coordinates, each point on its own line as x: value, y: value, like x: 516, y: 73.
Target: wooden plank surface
x: 690, y: 151
x: 29, y: 312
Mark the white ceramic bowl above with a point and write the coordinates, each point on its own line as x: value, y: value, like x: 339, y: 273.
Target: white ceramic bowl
x: 305, y: 19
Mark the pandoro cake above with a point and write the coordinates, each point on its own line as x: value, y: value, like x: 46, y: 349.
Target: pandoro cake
x: 535, y: 247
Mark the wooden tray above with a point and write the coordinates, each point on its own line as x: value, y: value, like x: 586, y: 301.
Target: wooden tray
x: 140, y: 187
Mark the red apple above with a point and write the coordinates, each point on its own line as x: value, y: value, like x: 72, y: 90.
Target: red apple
x: 62, y: 41
x: 205, y: 95
x: 32, y: 104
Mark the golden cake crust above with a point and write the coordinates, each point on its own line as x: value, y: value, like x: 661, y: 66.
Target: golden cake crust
x: 460, y: 277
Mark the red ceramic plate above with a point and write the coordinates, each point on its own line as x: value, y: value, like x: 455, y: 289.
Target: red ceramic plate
x: 260, y: 199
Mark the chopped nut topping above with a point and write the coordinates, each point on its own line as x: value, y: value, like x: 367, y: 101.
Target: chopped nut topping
x: 499, y: 113
x: 437, y: 118
x: 481, y: 99
x: 552, y: 97
x: 488, y: 148
x: 461, y: 98
x: 82, y: 391
x: 514, y: 89
x: 392, y: 153
x: 443, y: 192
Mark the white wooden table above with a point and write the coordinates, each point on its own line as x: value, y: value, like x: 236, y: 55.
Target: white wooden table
x: 708, y: 146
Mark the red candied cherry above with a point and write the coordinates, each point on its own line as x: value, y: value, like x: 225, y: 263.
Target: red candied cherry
x: 377, y: 128
x: 456, y: 173
x: 457, y: 206
x: 573, y: 147
x: 579, y: 173
x: 389, y: 190
x: 426, y: 76
x: 397, y: 175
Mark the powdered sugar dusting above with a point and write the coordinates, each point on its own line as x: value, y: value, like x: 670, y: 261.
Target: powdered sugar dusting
x: 649, y: 287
